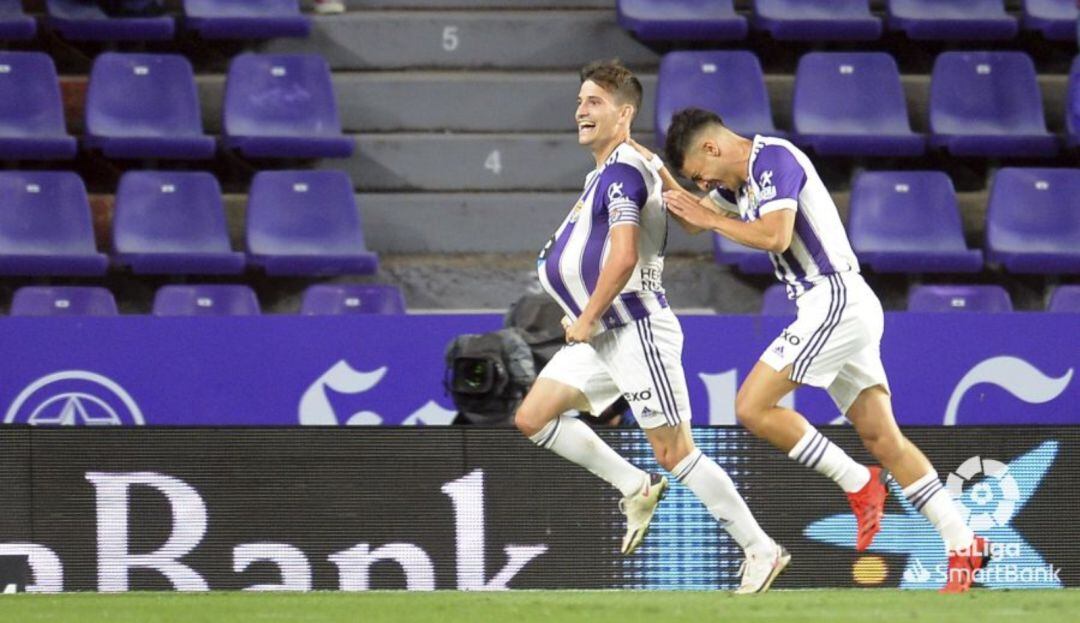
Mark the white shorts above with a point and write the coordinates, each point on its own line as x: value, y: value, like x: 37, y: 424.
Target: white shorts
x: 641, y: 362
x: 835, y: 342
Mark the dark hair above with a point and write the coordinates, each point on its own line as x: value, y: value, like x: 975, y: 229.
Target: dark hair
x: 615, y: 78
x: 685, y: 125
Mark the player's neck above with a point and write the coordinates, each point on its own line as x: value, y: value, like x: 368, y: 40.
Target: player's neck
x: 745, y: 147
x: 601, y: 152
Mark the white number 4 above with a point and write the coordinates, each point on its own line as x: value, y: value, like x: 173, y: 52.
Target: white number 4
x: 494, y: 162
x: 450, y: 40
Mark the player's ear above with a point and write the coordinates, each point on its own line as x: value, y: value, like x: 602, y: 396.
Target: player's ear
x: 711, y: 148
x: 626, y: 113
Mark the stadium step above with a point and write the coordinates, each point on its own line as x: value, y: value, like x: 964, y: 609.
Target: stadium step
x: 388, y: 40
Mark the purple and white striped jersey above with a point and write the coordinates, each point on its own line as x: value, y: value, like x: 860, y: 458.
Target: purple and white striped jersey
x: 781, y: 177
x: 623, y: 192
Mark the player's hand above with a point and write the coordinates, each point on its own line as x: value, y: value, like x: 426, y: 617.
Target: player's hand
x: 641, y: 149
x: 688, y: 209
x: 580, y: 331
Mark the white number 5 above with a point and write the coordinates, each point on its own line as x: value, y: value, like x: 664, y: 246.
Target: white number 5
x: 450, y: 39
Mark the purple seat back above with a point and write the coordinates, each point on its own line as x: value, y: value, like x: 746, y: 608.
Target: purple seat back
x: 906, y: 212
x: 63, y: 301
x: 329, y: 299
x: 280, y: 95
x: 849, y: 93
x: 173, y: 222
x: 1056, y: 19
x: 30, y: 102
x: 206, y: 300
x: 959, y: 298
x: 142, y: 95
x: 730, y: 84
x: 1066, y: 299
x: 45, y: 225
x: 15, y: 24
x: 246, y: 19
x: 985, y: 93
x: 952, y: 19
x: 84, y: 20
x: 303, y: 213
x: 688, y: 20
x: 1033, y: 220
x: 817, y: 20
x: 1072, y: 111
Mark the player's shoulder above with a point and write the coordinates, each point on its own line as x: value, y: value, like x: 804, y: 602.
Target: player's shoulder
x: 773, y: 155
x: 625, y: 168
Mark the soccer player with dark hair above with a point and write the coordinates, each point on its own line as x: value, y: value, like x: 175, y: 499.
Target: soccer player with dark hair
x: 764, y: 193
x: 603, y: 266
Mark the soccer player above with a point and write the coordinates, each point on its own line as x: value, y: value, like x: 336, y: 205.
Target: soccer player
x: 603, y: 266
x: 765, y: 193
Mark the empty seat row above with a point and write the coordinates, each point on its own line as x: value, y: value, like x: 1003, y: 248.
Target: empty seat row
x: 206, y: 300
x: 298, y: 223
x: 147, y: 106
x: 845, y: 20
x: 909, y: 222
x: 83, y: 20
x: 943, y: 298
x: 853, y: 104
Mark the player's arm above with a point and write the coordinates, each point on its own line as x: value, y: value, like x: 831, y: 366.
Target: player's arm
x: 621, y: 261
x: 771, y: 232
x: 670, y: 184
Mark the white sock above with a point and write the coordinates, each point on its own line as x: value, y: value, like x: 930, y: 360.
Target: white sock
x: 574, y: 441
x: 930, y: 498
x: 711, y: 484
x: 815, y: 451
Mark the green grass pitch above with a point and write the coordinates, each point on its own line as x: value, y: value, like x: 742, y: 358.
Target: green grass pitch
x: 833, y: 606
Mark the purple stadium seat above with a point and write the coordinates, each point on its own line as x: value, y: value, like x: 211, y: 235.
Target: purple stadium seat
x: 145, y: 106
x: 1033, y: 221
x: 83, y: 20
x: 952, y: 19
x: 352, y: 299
x: 1055, y: 19
x: 988, y: 104
x: 1072, y: 113
x: 1065, y: 299
x: 776, y: 302
x: 63, y: 301
x: 817, y: 20
x: 853, y: 104
x: 747, y: 260
x: 246, y: 19
x: 45, y: 226
x: 283, y: 106
x: 212, y: 300
x: 909, y: 222
x: 173, y: 223
x: 681, y: 20
x: 959, y: 298
x: 306, y: 223
x: 728, y: 83
x: 31, y: 109
x: 15, y: 24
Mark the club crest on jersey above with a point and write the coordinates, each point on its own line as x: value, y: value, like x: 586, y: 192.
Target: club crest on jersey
x: 575, y: 214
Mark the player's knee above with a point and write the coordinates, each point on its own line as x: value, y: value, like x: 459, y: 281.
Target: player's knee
x: 748, y: 411
x: 669, y: 455
x: 527, y: 422
x: 885, y: 446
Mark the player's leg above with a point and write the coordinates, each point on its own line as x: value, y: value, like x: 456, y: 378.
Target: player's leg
x: 808, y: 352
x: 646, y: 360
x: 565, y: 384
x: 872, y: 415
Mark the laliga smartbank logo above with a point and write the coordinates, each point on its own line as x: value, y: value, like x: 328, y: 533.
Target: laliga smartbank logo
x: 990, y: 494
